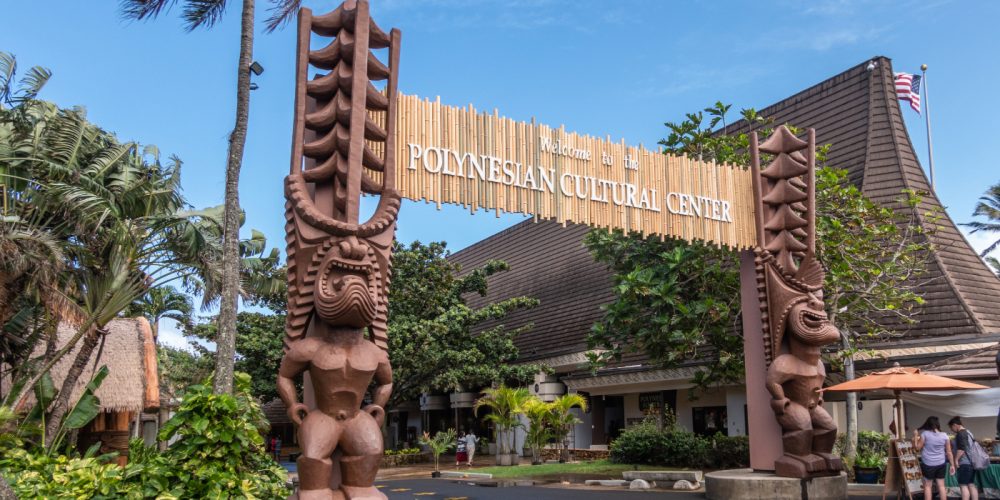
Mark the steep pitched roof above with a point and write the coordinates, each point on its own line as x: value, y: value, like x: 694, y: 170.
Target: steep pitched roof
x: 858, y: 114
x: 129, y: 352
x: 548, y: 262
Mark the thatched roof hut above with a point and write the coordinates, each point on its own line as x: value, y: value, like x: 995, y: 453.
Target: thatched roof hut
x: 129, y: 352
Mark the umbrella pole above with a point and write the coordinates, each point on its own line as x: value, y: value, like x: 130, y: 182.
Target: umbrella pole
x: 900, y: 418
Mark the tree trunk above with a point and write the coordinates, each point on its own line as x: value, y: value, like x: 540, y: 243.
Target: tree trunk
x: 226, y: 340
x: 851, y: 409
x: 61, y: 405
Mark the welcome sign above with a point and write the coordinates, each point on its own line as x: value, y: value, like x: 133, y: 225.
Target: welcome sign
x: 447, y: 154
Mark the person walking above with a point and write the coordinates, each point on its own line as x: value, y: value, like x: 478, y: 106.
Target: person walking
x: 966, y: 475
x: 277, y: 449
x: 935, y: 453
x: 460, y: 450
x: 470, y: 446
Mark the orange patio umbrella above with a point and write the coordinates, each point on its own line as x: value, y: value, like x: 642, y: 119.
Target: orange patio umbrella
x: 898, y: 379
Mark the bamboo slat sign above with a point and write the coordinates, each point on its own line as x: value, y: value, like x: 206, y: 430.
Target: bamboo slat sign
x: 455, y: 155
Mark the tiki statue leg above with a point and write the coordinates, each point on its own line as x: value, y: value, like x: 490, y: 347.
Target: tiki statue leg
x: 824, y: 437
x: 362, y: 447
x: 797, y: 438
x: 318, y: 434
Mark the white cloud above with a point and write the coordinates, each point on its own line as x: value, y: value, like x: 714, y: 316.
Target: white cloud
x: 670, y: 80
x: 170, y: 335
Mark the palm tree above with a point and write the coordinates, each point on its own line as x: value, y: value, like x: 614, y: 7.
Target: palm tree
x: 122, y: 227
x: 989, y: 207
x: 563, y: 418
x: 540, y: 430
x: 208, y: 13
x: 163, y: 302
x: 507, y: 404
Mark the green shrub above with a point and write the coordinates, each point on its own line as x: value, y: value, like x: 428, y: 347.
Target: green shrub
x: 36, y: 475
x: 675, y: 447
x: 684, y: 449
x: 638, y: 444
x: 219, y: 453
x: 730, y: 452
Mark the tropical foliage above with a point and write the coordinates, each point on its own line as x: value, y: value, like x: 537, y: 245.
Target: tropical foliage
x: 91, y: 227
x: 505, y: 405
x: 436, y: 340
x: 258, y: 348
x: 210, y: 430
x: 552, y: 421
x: 162, y: 302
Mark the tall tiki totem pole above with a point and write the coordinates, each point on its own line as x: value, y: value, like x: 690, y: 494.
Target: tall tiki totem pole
x: 338, y: 266
x: 790, y: 291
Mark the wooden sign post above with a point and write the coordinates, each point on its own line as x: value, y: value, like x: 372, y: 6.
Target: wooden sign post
x: 902, y: 472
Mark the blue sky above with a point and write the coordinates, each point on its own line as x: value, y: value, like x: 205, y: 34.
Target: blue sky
x: 605, y: 68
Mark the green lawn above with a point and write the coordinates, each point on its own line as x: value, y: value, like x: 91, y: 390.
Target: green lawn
x: 597, y: 469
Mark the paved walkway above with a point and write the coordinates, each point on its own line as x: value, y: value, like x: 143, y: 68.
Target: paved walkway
x: 444, y: 489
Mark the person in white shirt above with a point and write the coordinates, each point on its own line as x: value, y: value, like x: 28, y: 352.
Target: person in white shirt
x: 470, y: 446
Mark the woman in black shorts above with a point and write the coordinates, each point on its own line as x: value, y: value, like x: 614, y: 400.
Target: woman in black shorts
x: 935, y: 454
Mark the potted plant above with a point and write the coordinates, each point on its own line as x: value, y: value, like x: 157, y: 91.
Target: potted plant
x: 440, y: 443
x: 506, y: 404
x: 868, y: 467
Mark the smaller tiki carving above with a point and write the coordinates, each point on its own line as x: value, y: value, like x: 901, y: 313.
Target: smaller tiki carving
x: 338, y: 266
x: 790, y: 288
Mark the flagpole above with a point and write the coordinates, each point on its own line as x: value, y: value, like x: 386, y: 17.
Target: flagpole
x: 927, y: 116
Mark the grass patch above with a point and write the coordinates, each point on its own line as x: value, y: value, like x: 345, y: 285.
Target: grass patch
x: 598, y: 469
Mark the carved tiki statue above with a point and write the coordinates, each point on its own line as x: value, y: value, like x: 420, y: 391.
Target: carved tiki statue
x: 790, y: 288
x: 338, y: 267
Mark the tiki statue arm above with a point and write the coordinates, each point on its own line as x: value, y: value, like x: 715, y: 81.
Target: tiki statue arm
x: 775, y: 377
x: 383, y: 388
x: 291, y: 368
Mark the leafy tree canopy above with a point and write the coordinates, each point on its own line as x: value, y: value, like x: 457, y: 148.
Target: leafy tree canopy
x: 436, y: 340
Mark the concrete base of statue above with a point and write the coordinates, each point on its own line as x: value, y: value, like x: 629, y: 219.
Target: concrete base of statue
x: 745, y: 484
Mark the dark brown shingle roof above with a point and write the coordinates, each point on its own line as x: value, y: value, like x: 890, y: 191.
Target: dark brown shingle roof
x: 548, y: 262
x: 980, y: 360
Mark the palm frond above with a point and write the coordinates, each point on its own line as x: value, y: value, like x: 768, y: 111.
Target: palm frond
x: 8, y: 66
x: 140, y: 10
x: 993, y: 261
x: 206, y: 13
x: 282, y: 11
x: 33, y: 82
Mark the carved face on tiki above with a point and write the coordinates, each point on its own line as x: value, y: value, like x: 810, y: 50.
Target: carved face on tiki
x: 349, y: 286
x: 796, y: 306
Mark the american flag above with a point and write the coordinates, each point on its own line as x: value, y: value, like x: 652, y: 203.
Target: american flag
x: 908, y: 89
